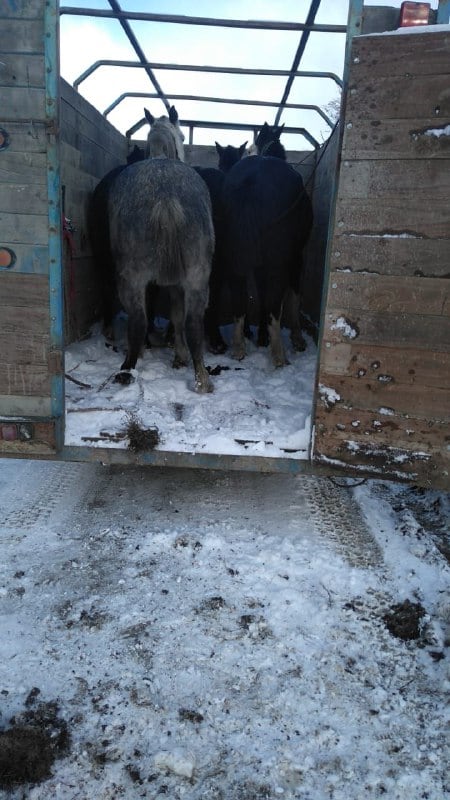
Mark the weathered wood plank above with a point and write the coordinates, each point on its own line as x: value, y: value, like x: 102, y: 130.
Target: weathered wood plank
x: 30, y: 349
x: 391, y: 139
x: 424, y: 466
x: 28, y: 72
x: 27, y: 406
x: 427, y: 54
x: 394, y: 215
x: 23, y: 104
x: 381, y: 429
x: 389, y: 330
x: 372, y: 363
x: 36, y: 321
x: 23, y: 168
x: 389, y: 294
x: 398, y: 97
x: 22, y: 9
x: 23, y: 290
x: 387, y: 255
x: 23, y: 199
x: 24, y: 138
x: 416, y: 181
x: 25, y: 379
x: 422, y: 401
x: 30, y: 259
x: 24, y: 35
x: 24, y: 229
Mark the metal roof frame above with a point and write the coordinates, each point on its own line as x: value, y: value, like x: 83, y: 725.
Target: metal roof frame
x: 306, y: 28
x: 352, y: 28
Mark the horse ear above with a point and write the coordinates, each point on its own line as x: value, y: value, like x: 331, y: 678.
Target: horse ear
x: 279, y: 130
x: 242, y: 148
x: 173, y: 115
x: 219, y: 148
x: 150, y: 119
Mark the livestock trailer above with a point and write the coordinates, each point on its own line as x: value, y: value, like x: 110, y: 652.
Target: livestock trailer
x: 377, y: 265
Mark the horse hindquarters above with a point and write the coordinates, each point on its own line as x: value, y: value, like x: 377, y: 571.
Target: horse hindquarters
x: 264, y: 199
x: 162, y: 232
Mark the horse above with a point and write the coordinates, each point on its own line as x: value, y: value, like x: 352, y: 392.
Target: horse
x: 267, y: 142
x: 162, y: 234
x: 98, y: 231
x: 165, y: 139
x: 229, y: 155
x: 214, y: 179
x: 267, y: 221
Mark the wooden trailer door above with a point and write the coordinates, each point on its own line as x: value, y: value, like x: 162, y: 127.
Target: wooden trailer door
x: 383, y: 401
x: 31, y: 363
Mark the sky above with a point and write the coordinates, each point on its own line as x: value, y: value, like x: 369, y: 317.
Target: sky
x: 211, y: 635
x: 85, y: 40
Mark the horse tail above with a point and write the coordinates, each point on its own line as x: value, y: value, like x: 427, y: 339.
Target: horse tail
x: 167, y: 223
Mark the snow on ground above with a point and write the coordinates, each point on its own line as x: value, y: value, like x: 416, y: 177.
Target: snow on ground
x: 200, y: 635
x: 254, y: 409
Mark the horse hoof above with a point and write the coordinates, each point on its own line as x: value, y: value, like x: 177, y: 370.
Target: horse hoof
x: 203, y: 386
x: 177, y: 363
x: 298, y: 344
x: 125, y: 378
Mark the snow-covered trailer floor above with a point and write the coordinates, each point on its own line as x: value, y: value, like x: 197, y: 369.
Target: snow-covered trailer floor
x: 254, y: 409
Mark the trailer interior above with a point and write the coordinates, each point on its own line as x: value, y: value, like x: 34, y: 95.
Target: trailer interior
x: 369, y: 395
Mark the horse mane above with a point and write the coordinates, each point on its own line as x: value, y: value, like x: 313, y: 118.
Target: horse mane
x: 268, y: 142
x: 165, y: 139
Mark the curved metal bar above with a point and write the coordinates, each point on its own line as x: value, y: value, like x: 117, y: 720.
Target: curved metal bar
x: 106, y: 62
x: 227, y: 126
x: 231, y: 101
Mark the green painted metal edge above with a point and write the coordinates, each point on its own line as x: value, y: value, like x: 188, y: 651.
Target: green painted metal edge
x: 354, y: 27
x: 52, y: 111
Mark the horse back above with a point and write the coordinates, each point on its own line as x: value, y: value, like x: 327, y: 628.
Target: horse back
x: 160, y: 221
x: 266, y: 208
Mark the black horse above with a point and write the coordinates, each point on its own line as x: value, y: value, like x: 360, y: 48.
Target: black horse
x: 267, y: 221
x: 229, y: 155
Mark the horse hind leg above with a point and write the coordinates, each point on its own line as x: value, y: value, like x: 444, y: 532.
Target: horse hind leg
x: 181, y: 357
x: 134, y: 304
x: 238, y: 286
x: 274, y: 305
x: 195, y: 311
x: 292, y: 306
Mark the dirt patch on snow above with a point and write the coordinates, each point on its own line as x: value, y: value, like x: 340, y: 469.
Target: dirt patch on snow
x: 32, y: 743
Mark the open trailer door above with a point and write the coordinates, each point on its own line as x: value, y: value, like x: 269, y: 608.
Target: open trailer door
x: 31, y: 362
x: 383, y: 401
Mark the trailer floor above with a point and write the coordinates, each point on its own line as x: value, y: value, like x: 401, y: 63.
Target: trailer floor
x: 254, y: 409
x: 220, y: 636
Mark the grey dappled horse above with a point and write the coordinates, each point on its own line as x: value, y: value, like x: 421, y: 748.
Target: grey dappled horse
x: 165, y: 139
x: 162, y: 235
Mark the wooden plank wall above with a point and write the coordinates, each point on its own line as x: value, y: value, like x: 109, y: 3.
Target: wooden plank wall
x: 25, y: 356
x: 90, y: 147
x: 384, y: 377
